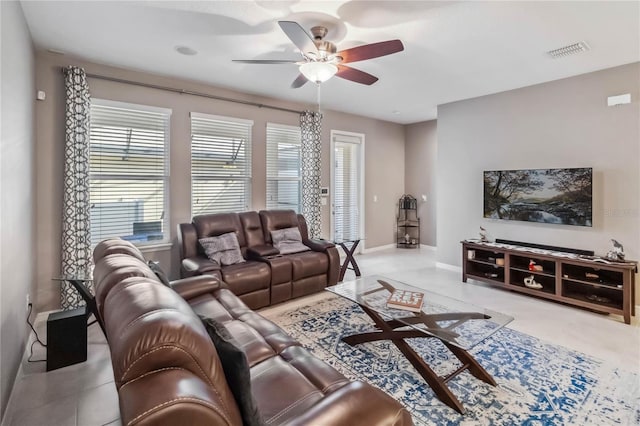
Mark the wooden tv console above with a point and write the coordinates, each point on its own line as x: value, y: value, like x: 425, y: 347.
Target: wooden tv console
x: 585, y: 281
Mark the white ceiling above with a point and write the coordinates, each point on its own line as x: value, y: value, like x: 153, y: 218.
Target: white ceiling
x: 453, y: 50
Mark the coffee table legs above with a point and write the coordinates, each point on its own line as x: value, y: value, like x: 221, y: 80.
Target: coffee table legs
x: 438, y: 384
x: 472, y: 365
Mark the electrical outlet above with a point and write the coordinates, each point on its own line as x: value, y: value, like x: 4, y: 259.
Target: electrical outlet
x: 28, y: 302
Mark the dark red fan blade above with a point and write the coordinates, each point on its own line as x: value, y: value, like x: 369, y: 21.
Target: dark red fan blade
x: 369, y: 51
x: 298, y: 36
x: 263, y: 61
x: 299, y: 82
x: 353, y: 74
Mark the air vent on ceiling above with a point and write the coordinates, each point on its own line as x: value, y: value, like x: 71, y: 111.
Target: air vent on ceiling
x: 569, y: 50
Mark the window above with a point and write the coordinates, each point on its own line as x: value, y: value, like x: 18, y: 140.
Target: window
x: 220, y: 164
x: 128, y: 170
x: 283, y: 167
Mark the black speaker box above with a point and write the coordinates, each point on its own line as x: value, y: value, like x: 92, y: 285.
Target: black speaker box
x: 66, y: 338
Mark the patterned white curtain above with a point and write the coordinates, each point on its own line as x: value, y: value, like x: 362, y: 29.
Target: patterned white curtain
x: 311, y: 127
x: 76, y: 229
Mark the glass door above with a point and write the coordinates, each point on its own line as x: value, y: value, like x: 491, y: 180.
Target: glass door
x: 347, y: 187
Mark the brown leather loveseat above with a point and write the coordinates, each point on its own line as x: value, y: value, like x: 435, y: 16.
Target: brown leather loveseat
x: 167, y: 370
x: 266, y: 277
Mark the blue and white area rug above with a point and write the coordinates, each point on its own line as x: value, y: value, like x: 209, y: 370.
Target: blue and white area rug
x: 538, y: 383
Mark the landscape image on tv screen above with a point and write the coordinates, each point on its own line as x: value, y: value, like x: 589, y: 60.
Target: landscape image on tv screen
x: 562, y: 196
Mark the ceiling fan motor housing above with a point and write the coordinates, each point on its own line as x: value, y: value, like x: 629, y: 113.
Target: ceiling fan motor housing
x: 326, y: 46
x: 319, y: 34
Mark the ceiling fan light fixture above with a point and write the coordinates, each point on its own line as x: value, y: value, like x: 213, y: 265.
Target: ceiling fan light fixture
x: 318, y: 72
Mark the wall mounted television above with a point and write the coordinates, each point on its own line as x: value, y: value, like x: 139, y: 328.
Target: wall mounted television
x: 560, y: 196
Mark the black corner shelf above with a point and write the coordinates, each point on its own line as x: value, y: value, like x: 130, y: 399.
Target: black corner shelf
x: 407, y: 223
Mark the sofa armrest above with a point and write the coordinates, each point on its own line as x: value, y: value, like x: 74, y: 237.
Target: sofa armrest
x: 263, y: 250
x: 355, y: 404
x: 319, y: 245
x: 195, y: 286
x: 199, y: 265
x: 174, y: 396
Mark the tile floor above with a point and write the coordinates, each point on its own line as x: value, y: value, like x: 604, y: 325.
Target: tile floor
x: 85, y: 395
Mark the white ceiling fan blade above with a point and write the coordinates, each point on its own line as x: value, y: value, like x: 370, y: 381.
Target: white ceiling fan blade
x: 300, y: 81
x: 299, y: 37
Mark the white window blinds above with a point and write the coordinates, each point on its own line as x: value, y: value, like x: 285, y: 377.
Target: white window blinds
x: 283, y: 167
x: 347, y: 187
x: 220, y: 164
x: 128, y: 172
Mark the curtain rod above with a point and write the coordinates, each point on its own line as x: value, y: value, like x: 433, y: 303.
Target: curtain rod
x: 189, y: 92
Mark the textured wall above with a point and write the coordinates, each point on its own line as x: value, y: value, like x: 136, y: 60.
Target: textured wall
x: 564, y: 123
x: 420, y: 159
x: 17, y: 191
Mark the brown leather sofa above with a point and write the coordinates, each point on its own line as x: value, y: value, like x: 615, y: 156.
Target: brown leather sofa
x: 266, y: 278
x: 167, y: 370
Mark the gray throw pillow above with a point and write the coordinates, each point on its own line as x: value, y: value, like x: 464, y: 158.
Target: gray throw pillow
x: 288, y: 240
x: 236, y: 371
x: 223, y: 249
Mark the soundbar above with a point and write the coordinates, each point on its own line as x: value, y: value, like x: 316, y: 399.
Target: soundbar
x: 545, y: 247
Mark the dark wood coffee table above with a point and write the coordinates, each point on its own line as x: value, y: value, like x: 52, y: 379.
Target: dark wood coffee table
x: 458, y: 325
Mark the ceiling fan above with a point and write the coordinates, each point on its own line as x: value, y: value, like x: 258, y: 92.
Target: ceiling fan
x: 320, y: 59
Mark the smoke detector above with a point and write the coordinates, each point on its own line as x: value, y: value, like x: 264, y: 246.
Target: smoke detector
x: 571, y: 49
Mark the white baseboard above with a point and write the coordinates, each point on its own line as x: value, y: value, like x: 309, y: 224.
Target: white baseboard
x: 449, y: 267
x: 378, y: 248
x: 390, y: 246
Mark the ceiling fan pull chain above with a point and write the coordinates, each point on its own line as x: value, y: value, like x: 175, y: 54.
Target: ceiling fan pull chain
x: 319, y: 97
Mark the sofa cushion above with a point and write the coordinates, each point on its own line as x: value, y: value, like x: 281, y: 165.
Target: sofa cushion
x: 295, y: 392
x: 288, y: 240
x: 226, y: 308
x: 115, y: 246
x: 223, y: 249
x: 246, y: 277
x: 276, y: 219
x: 110, y: 270
x: 152, y: 330
x: 252, y: 228
x: 212, y: 225
x: 236, y: 370
x: 162, y: 276
x: 308, y: 264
